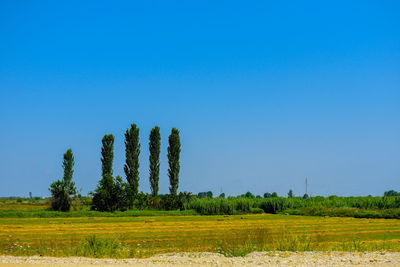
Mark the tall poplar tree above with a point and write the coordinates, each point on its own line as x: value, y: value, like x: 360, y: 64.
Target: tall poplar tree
x: 62, y: 190
x: 104, y: 197
x: 174, y: 150
x: 107, y: 155
x: 132, y: 151
x: 154, y: 158
x: 68, y: 165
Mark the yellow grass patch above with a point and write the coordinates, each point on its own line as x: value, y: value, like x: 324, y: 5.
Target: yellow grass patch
x: 149, y: 235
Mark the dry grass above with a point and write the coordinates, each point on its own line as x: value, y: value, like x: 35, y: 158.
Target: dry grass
x: 23, y: 206
x: 230, y: 235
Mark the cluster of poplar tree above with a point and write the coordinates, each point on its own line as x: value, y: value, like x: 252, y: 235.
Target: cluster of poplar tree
x: 113, y: 193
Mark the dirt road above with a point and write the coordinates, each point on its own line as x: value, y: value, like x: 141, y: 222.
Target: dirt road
x: 212, y: 259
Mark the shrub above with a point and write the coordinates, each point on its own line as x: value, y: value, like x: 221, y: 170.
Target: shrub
x: 101, y: 248
x: 256, y: 210
x: 111, y: 194
x: 174, y: 202
x: 211, y: 206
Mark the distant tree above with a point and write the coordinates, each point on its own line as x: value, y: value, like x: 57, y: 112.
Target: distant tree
x: 267, y: 195
x: 208, y: 194
x: 258, y: 196
x: 290, y: 193
x: 154, y: 158
x: 62, y: 190
x: 132, y: 151
x: 107, y: 153
x: 305, y: 196
x: 174, y: 150
x: 274, y: 194
x: 222, y: 195
x: 391, y: 193
x: 249, y: 195
x: 202, y: 195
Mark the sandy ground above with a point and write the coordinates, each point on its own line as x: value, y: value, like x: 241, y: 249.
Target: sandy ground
x: 213, y: 259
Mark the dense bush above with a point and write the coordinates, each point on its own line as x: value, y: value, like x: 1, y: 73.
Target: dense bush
x: 207, y: 206
x: 111, y: 194
x: 256, y: 210
x: 346, y: 212
x: 366, y: 207
x: 391, y: 193
x: 175, y: 202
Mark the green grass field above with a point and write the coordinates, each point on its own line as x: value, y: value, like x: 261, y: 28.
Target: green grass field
x: 233, y: 235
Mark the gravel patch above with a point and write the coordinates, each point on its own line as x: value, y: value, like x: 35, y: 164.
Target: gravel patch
x: 214, y: 259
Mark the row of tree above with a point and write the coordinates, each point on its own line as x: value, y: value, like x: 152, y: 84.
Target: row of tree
x: 112, y: 193
x: 209, y: 194
x: 391, y: 193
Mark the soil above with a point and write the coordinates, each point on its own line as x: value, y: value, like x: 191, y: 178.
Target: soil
x: 214, y: 259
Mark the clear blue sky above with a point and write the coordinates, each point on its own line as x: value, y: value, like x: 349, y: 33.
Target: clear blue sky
x: 265, y: 94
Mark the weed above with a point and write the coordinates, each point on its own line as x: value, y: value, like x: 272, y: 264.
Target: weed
x: 101, y: 248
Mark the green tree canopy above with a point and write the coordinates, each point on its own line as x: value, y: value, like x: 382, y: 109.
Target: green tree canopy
x: 174, y: 150
x: 110, y: 193
x: 107, y: 154
x: 154, y: 158
x: 62, y: 190
x: 132, y: 151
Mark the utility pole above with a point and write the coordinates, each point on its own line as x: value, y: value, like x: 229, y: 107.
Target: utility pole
x: 306, y: 187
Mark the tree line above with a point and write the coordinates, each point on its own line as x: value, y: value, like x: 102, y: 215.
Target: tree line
x: 113, y: 193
